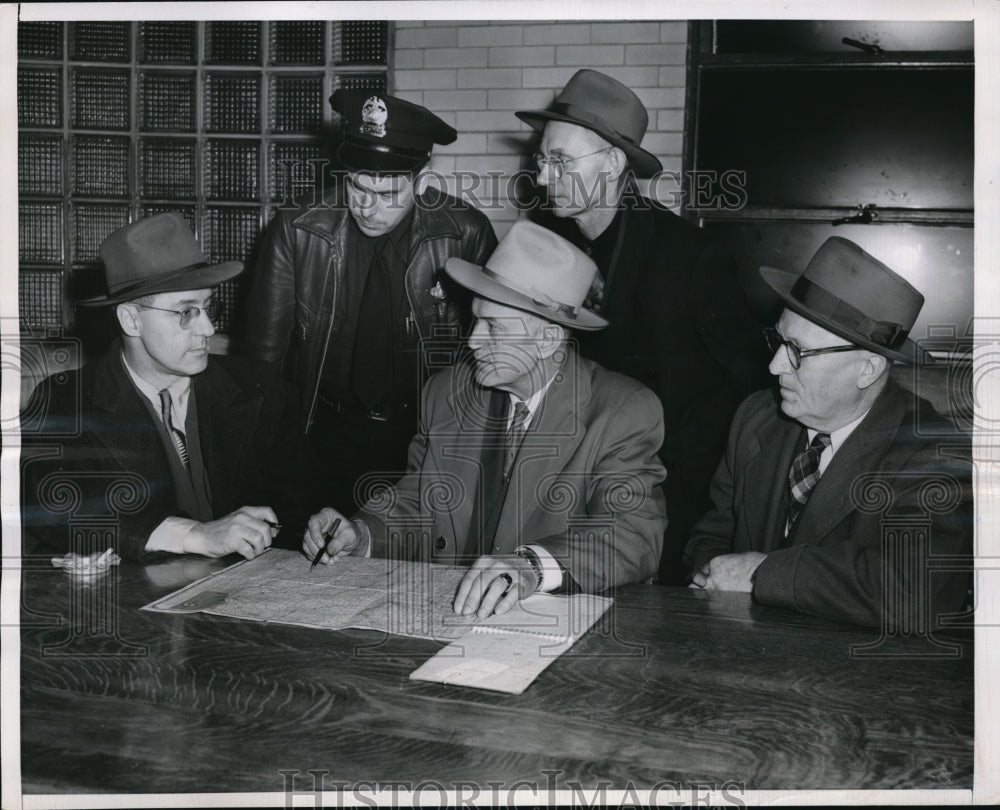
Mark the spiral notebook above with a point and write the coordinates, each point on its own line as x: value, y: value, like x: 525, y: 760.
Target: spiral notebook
x: 506, y: 653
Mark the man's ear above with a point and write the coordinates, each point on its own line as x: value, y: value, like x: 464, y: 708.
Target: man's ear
x: 128, y: 317
x: 422, y: 180
x: 617, y: 161
x: 551, y: 339
x: 872, y: 369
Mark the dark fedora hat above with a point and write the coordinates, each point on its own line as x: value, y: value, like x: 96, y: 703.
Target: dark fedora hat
x: 537, y: 271
x: 155, y: 255
x: 854, y: 295
x: 604, y: 105
x: 382, y: 133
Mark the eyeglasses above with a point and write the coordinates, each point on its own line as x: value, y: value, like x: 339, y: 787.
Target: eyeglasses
x: 558, y: 165
x: 190, y: 314
x: 795, y: 354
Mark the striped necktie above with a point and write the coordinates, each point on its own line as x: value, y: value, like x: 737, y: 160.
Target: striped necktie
x: 515, y: 433
x: 176, y: 434
x: 804, y: 475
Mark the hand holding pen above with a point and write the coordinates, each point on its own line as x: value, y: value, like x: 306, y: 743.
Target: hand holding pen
x: 329, y: 536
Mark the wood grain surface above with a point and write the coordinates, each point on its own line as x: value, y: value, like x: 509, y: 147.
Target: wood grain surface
x: 673, y: 685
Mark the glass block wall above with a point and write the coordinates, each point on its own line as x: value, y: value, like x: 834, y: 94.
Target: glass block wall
x: 120, y: 120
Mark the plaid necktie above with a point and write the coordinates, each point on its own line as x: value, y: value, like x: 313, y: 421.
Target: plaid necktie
x: 804, y: 475
x: 176, y: 434
x: 515, y: 433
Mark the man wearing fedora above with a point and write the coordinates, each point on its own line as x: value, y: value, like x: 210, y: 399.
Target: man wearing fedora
x: 679, y: 322
x: 798, y: 511
x: 346, y: 290
x: 191, y: 447
x: 537, y: 464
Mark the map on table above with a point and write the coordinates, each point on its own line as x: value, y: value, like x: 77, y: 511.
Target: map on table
x: 393, y: 596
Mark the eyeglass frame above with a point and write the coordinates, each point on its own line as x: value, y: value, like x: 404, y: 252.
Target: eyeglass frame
x: 210, y: 308
x: 558, y: 165
x: 795, y: 353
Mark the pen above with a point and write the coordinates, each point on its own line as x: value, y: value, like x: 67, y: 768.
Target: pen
x: 272, y: 524
x: 327, y: 537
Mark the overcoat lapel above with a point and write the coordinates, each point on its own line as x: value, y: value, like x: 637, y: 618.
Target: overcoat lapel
x: 765, y: 503
x: 135, y: 448
x: 227, y: 415
x: 831, y: 500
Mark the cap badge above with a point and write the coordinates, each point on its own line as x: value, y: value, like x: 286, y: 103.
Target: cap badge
x: 373, y: 117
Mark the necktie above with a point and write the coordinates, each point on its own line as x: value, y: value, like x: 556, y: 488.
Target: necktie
x: 371, y: 366
x: 804, y: 475
x: 514, y: 435
x: 176, y: 434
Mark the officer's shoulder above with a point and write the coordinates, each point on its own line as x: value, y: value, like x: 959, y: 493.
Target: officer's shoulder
x: 245, y: 372
x: 436, y: 201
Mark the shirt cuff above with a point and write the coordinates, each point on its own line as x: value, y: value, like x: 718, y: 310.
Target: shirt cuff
x: 552, y: 574
x: 364, y: 539
x: 169, y: 535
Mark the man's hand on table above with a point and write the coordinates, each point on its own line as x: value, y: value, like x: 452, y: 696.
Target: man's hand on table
x: 247, y: 531
x: 495, y: 585
x: 728, y: 572
x: 342, y: 544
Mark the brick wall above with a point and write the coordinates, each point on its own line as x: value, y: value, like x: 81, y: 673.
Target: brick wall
x: 475, y: 74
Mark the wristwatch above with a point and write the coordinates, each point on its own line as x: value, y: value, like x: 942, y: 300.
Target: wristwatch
x: 526, y: 553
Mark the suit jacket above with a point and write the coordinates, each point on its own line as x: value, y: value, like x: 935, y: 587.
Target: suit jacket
x: 587, y: 462
x: 84, y: 435
x: 679, y: 324
x: 833, y: 564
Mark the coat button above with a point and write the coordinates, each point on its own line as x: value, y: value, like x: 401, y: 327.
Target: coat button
x: 440, y: 544
x: 496, y: 548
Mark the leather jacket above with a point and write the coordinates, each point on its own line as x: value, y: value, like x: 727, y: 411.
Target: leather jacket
x: 301, y: 272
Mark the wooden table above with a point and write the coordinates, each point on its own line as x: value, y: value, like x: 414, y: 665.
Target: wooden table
x: 675, y: 685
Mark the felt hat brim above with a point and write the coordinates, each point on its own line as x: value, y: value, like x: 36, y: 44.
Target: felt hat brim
x: 186, y: 278
x: 643, y: 163
x: 471, y: 277
x: 781, y: 281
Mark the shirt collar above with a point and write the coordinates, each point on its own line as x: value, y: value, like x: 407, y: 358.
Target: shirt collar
x: 180, y: 390
x: 839, y: 436
x: 531, y: 403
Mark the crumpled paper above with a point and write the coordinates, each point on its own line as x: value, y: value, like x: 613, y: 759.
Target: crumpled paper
x: 83, y: 565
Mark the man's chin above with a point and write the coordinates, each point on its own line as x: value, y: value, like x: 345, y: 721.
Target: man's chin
x: 560, y: 211
x: 197, y: 363
x: 482, y: 375
x: 788, y: 408
x: 369, y: 230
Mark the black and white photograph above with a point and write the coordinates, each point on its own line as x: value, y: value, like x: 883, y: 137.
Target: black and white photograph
x: 499, y: 404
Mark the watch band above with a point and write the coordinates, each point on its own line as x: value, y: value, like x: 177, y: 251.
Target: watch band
x: 536, y: 564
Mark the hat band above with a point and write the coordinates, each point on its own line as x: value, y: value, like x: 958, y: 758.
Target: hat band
x: 827, y: 305
x: 585, y: 115
x: 547, y: 303
x: 120, y: 289
x: 388, y: 150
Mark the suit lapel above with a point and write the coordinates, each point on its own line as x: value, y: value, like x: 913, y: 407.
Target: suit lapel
x: 553, y: 436
x: 456, y: 447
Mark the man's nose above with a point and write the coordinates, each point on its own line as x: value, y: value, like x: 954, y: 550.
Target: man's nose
x: 477, y: 336
x: 364, y: 201
x: 780, y: 364
x: 203, y: 325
